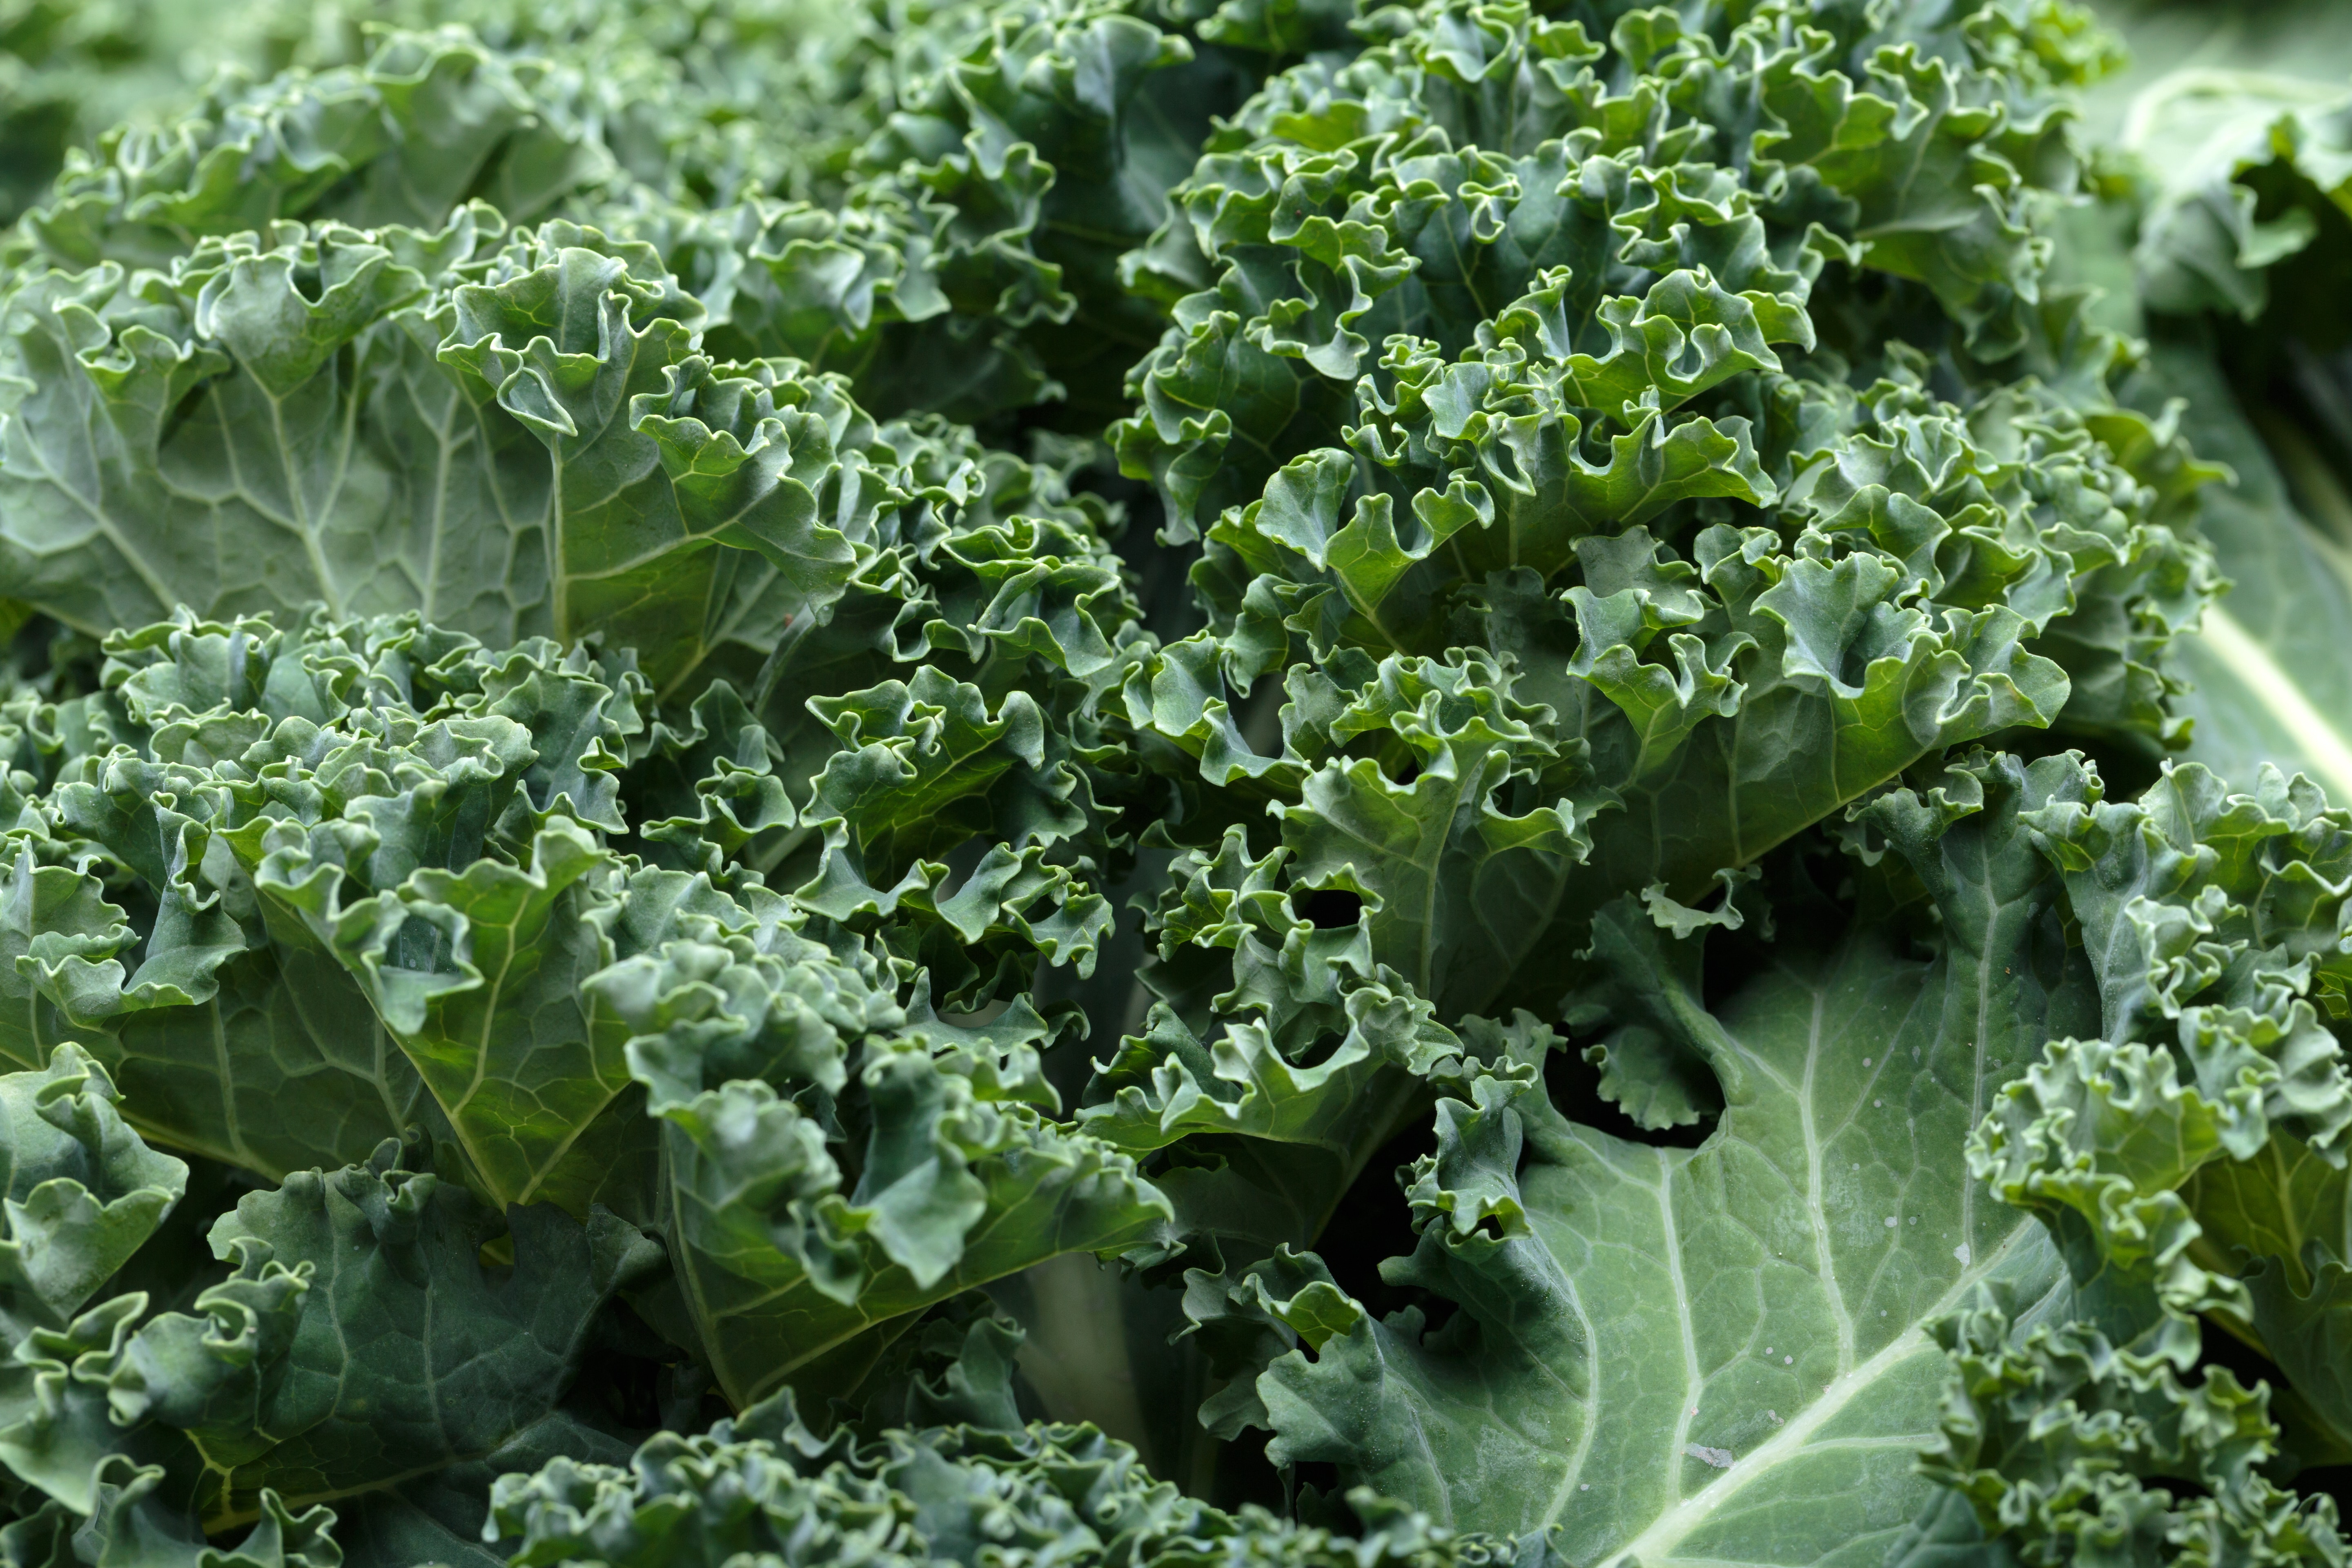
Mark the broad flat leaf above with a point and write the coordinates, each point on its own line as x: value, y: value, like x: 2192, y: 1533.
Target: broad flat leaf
x: 1607, y: 1369
x: 460, y: 1360
x: 2271, y: 682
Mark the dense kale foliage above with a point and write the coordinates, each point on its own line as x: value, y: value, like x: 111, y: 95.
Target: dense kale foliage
x: 1113, y: 782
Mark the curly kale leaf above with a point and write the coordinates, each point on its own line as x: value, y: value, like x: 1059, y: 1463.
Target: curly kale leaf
x: 512, y: 434
x: 1692, y: 185
x: 359, y: 1343
x: 84, y: 1194
x: 763, y: 1483
x: 206, y: 910
x: 1601, y: 455
x: 2195, y: 1149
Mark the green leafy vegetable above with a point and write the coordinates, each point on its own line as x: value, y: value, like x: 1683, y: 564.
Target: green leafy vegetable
x: 1123, y: 782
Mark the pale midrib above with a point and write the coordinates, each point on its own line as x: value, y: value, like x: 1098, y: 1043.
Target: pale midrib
x: 558, y: 580
x: 692, y: 541
x: 493, y: 993
x: 1671, y: 721
x: 561, y: 574
x: 2289, y: 1213
x: 1372, y: 613
x: 1678, y: 1522
x: 431, y: 1344
x: 384, y: 1044
x: 104, y: 522
x: 1584, y: 1439
x: 2322, y: 742
x: 1431, y: 877
x: 229, y: 1519
x: 690, y: 1279
x: 226, y: 1069
x: 554, y: 1158
x: 300, y: 522
x: 1980, y: 1046
x: 446, y: 448
x: 1816, y: 1211
x: 1693, y: 1380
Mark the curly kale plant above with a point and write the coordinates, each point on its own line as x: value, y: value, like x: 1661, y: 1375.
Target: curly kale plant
x: 1137, y: 785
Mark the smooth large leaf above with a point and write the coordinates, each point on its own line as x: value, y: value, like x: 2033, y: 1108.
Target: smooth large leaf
x: 1721, y: 1354
x: 2272, y: 681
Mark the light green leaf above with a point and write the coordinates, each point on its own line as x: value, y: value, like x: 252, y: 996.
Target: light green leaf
x: 1606, y: 1372
x: 2270, y: 680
